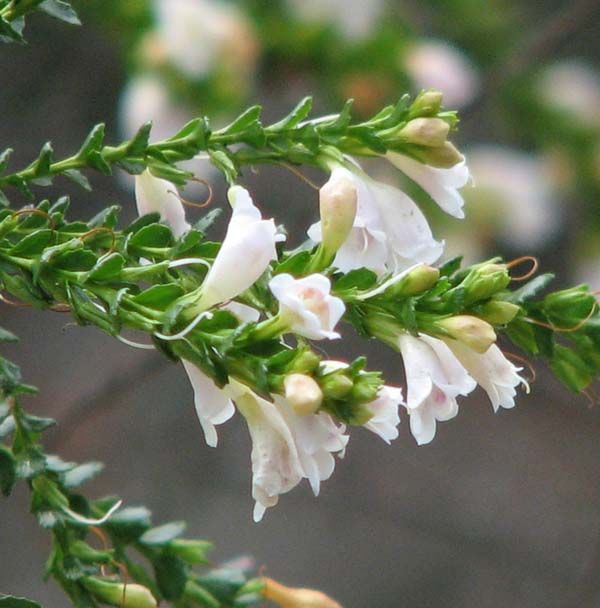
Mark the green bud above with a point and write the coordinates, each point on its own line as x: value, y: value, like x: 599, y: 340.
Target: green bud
x: 471, y: 331
x: 497, y: 312
x: 418, y: 280
x: 485, y: 280
x: 429, y: 132
x: 336, y: 385
x: 118, y: 594
x: 427, y: 102
x: 443, y: 157
x: 88, y: 555
x: 569, y: 307
x: 305, y: 363
x: 191, y: 551
x: 366, y: 387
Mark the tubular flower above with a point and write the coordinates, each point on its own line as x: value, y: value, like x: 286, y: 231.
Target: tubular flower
x: 435, y: 377
x: 213, y: 406
x: 389, y: 234
x: 246, y: 252
x: 385, y: 419
x: 306, y: 306
x: 498, y: 377
x: 154, y: 195
x: 442, y: 184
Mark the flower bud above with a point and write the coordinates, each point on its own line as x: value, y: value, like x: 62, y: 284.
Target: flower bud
x: 497, y: 312
x: 427, y: 102
x: 484, y: 280
x: 443, y: 157
x: 430, y: 132
x: 287, y: 597
x: 337, y: 204
x: 303, y: 394
x: 336, y: 385
x: 418, y: 280
x: 118, y: 594
x: 471, y: 331
x: 305, y: 362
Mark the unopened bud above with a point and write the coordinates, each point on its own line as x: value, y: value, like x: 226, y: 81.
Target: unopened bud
x: 471, y: 331
x: 430, y: 132
x: 337, y: 203
x: 306, y: 362
x: 287, y: 597
x: 119, y: 594
x: 497, y: 312
x: 427, y: 102
x: 484, y: 281
x: 443, y: 157
x: 303, y: 394
x: 336, y: 385
x: 420, y: 279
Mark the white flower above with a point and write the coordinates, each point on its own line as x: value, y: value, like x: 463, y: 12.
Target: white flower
x: 356, y: 19
x: 513, y: 190
x: 213, y: 406
x: 306, y: 305
x: 492, y: 371
x: 385, y: 418
x: 390, y: 233
x: 572, y: 87
x: 434, y: 377
x: 154, y: 195
x: 441, y: 184
x: 434, y: 64
x: 317, y: 438
x: 246, y: 252
x: 199, y: 35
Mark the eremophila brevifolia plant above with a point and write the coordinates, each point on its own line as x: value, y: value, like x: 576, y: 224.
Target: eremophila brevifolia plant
x: 245, y: 315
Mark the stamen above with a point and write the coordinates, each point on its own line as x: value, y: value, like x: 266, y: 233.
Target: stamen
x: 524, y: 361
x: 188, y: 261
x: 301, y: 175
x: 34, y: 211
x: 139, y: 345
x: 564, y: 330
x: 518, y: 261
x: 182, y: 334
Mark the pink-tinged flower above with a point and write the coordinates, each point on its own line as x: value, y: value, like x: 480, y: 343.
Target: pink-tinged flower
x: 246, y: 252
x: 498, y: 377
x: 213, y: 406
x: 306, y: 305
x: 155, y: 195
x: 435, y: 378
x: 385, y: 418
x: 442, y: 185
x: 389, y: 234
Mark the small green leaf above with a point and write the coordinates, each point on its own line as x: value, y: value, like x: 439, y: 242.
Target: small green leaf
x: 223, y: 583
x: 36, y: 424
x: 33, y: 244
x: 8, y: 471
x: 107, y: 267
x: 93, y: 142
x: 138, y: 144
x: 4, y: 158
x: 129, y: 523
x: 60, y: 10
x: 296, y: 116
x: 7, y: 336
x: 140, y: 222
x: 10, y: 601
x: 360, y: 279
x: 159, y: 297
x: 161, y: 535
x: 107, y: 218
x: 245, y: 120
x: 152, y: 236
x: 78, y: 178
x: 171, y: 576
x: 82, y: 473
x: 530, y: 289
x: 204, y: 223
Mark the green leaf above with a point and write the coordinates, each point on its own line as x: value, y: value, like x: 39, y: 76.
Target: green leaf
x: 78, y: 178
x: 245, y: 121
x: 223, y: 162
x: 191, y: 551
x: 10, y: 601
x: 4, y: 158
x: 93, y: 142
x: 171, y: 576
x: 295, y: 264
x: 36, y: 424
x: 205, y: 222
x: 223, y: 583
x: 7, y: 336
x: 530, y: 289
x: 41, y: 167
x: 296, y: 116
x: 8, y: 471
x: 33, y: 244
x: 360, y: 279
x: 153, y: 236
x: 12, y: 31
x: 570, y: 368
x: 139, y: 143
x: 82, y: 473
x: 10, y: 376
x: 161, y: 535
x: 140, y: 222
x: 159, y: 297
x: 107, y: 218
x: 107, y: 267
x: 60, y: 10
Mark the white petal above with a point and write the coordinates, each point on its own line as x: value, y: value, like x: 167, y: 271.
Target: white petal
x: 212, y: 404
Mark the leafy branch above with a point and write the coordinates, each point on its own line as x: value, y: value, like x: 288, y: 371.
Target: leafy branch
x: 293, y: 139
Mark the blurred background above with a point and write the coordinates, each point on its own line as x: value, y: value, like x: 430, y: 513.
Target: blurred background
x: 500, y: 509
